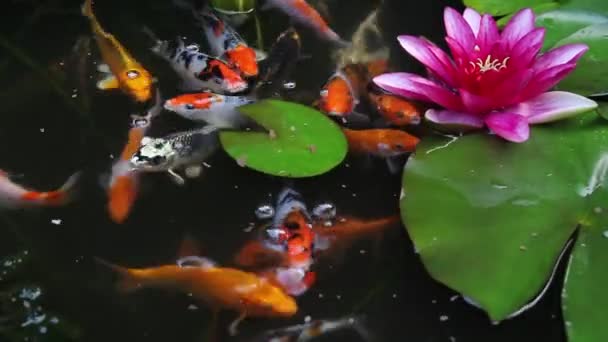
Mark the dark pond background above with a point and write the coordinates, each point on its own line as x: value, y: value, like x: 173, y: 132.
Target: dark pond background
x: 47, y: 132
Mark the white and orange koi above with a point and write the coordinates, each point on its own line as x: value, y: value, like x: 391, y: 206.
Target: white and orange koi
x: 214, y: 109
x: 14, y: 196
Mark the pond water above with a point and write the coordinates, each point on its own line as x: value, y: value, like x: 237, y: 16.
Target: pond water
x: 49, y: 130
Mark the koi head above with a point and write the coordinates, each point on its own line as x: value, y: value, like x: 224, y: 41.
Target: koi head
x: 337, y: 98
x: 244, y: 59
x: 392, y: 143
x: 270, y: 301
x: 155, y: 154
x: 191, y: 102
x: 138, y: 82
x: 220, y: 73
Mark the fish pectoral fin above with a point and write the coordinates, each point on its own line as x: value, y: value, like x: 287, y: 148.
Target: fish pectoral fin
x: 103, y: 67
x: 179, y: 180
x: 394, y: 164
x: 108, y: 82
x: 260, y: 55
x: 233, y: 328
x: 193, y: 171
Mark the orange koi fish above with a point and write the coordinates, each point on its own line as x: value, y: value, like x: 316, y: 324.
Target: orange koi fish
x: 124, y: 72
x: 228, y: 44
x: 124, y: 181
x: 341, y: 94
x: 218, y: 287
x: 214, y: 109
x: 14, y: 196
x: 346, y: 230
x: 380, y: 142
x: 396, y: 110
x: 306, y: 15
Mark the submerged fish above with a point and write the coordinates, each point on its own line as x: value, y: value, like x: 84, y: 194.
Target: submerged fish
x: 303, y: 13
x: 183, y: 150
x: 15, y: 196
x: 313, y: 329
x: 219, y: 287
x: 124, y: 71
x: 200, y: 71
x: 396, y: 110
x: 228, y: 44
x: 124, y: 181
x: 380, y: 142
x: 214, y: 109
x: 282, y: 57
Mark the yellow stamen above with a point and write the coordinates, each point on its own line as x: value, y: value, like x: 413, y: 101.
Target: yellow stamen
x: 490, y: 64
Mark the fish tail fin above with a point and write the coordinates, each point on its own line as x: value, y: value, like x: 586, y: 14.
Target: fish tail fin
x: 57, y: 197
x: 126, y: 281
x: 87, y: 9
x: 358, y: 325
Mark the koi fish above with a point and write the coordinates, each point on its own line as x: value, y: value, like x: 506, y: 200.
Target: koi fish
x: 185, y: 150
x: 380, y: 142
x: 225, y: 42
x: 346, y: 230
x: 313, y: 329
x: 282, y: 57
x: 341, y: 94
x: 124, y: 181
x: 13, y: 196
x: 197, y: 70
x: 214, y: 109
x: 218, y: 287
x: 301, y: 12
x: 396, y: 110
x: 125, y: 73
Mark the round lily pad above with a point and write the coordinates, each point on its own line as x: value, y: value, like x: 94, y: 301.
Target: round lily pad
x: 299, y: 141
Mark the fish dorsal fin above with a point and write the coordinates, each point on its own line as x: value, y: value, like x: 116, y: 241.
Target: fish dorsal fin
x: 188, y: 247
x: 195, y: 261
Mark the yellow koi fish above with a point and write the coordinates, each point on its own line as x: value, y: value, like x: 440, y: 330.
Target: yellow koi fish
x: 125, y: 73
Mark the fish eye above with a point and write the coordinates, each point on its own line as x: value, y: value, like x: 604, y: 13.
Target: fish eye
x: 400, y: 114
x: 132, y: 74
x: 158, y: 145
x: 189, y: 106
x: 216, y: 72
x: 399, y: 146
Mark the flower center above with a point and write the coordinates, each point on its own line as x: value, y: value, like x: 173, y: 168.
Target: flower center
x: 488, y: 64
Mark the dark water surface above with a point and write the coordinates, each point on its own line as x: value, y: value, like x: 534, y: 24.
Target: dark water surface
x: 46, y: 136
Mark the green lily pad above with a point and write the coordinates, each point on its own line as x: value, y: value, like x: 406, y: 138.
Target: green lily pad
x: 597, y: 6
x: 591, y: 74
x: 300, y: 142
x: 490, y: 219
x: 561, y: 23
x: 538, y: 9
x: 501, y: 7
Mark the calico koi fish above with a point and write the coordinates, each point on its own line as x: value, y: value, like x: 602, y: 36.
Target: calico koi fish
x: 13, y: 196
x: 125, y: 73
x: 228, y: 44
x: 200, y: 71
x: 303, y: 13
x: 183, y: 150
x: 124, y: 181
x: 380, y: 142
x: 214, y: 109
x: 218, y: 287
x: 346, y: 230
x: 396, y: 110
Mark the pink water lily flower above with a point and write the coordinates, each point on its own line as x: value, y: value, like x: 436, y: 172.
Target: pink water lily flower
x: 495, y: 79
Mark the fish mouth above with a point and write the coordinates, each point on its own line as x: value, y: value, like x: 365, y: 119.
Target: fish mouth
x: 143, y: 95
x: 236, y: 88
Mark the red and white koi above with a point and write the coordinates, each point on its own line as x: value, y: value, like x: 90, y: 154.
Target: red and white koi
x: 214, y: 109
x: 200, y: 71
x: 226, y: 43
x: 303, y: 13
x: 14, y: 196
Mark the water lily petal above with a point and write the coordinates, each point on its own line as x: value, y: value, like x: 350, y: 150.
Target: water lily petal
x: 456, y: 27
x: 519, y: 25
x: 509, y: 90
x: 553, y: 106
x: 459, y: 54
x: 473, y: 18
x: 526, y: 49
x: 569, y: 53
x: 431, y: 56
x: 418, y: 88
x: 476, y: 104
x: 488, y: 35
x: 545, y: 80
x: 454, y: 121
x: 509, y: 126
